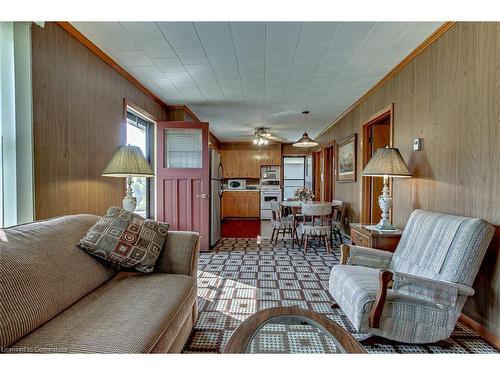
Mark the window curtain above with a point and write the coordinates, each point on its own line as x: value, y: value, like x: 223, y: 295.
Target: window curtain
x: 16, y: 129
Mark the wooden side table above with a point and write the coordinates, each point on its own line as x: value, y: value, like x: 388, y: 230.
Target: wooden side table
x: 362, y: 236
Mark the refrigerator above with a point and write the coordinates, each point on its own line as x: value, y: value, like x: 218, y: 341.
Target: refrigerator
x: 215, y: 196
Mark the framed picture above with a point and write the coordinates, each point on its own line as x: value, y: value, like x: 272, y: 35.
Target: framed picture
x: 346, y: 159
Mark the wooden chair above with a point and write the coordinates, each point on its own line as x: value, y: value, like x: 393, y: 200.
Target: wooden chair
x: 280, y: 224
x: 338, y: 217
x: 316, y: 223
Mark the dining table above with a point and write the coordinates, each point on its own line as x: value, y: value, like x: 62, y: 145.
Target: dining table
x: 295, y: 207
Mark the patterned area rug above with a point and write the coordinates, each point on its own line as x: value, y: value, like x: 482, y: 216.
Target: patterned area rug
x: 243, y: 276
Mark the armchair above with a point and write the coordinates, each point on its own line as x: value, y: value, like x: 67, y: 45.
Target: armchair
x: 416, y: 294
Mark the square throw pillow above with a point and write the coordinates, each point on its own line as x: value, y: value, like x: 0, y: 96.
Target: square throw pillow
x: 126, y: 239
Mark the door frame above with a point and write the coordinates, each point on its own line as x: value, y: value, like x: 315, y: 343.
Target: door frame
x: 317, y: 174
x: 365, y: 186
x: 326, y: 185
x: 187, y: 173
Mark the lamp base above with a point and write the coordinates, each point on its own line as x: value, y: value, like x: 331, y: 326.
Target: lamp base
x: 129, y: 201
x: 385, y: 225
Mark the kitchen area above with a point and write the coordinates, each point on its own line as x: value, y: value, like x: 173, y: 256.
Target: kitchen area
x: 244, y: 180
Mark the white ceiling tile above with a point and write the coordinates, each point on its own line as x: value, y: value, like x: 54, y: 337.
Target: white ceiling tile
x: 393, y: 56
x: 416, y: 34
x: 250, y: 52
x: 305, y: 66
x: 230, y: 73
x: 131, y: 58
x: 169, y: 65
x: 284, y: 27
x: 336, y: 58
x: 350, y: 78
x: 180, y: 34
x: 310, y: 51
x: 360, y: 65
x: 328, y: 71
x: 251, y: 67
x: 143, y: 30
x: 248, y: 32
x: 156, y: 49
x: 350, y: 35
x: 148, y: 72
x: 282, y: 42
x: 279, y: 59
x: 191, y: 55
x: 318, y: 31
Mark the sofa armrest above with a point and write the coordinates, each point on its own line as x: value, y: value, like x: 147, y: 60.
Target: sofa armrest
x: 180, y: 253
x: 365, y: 256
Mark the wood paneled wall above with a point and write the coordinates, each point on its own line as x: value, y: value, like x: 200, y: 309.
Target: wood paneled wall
x: 78, y: 119
x: 449, y: 95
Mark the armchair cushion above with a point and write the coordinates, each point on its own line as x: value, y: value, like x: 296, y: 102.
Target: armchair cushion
x: 368, y: 257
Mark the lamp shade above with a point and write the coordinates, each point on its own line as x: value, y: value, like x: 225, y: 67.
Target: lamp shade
x: 128, y: 161
x: 386, y: 162
x: 305, y: 141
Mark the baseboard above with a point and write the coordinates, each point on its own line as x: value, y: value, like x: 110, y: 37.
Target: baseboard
x: 480, y: 330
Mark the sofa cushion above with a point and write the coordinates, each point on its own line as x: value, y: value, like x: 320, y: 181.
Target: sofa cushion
x: 126, y: 240
x: 42, y: 272
x: 126, y: 315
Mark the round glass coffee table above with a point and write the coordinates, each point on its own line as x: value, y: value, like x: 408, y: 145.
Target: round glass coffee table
x: 291, y: 330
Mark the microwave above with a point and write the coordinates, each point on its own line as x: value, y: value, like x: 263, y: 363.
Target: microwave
x: 236, y: 184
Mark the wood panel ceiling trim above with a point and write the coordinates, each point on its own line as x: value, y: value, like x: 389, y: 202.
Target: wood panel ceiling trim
x: 417, y: 51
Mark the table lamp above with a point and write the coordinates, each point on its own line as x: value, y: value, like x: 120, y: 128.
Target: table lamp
x: 128, y: 161
x: 386, y: 162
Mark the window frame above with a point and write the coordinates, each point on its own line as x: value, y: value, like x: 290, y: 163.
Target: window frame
x: 303, y: 157
x: 149, y: 125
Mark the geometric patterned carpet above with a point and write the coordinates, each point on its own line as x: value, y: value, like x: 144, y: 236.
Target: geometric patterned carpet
x: 242, y: 276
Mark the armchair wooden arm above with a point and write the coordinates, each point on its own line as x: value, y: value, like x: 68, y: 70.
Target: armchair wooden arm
x: 385, y: 281
x: 344, y: 253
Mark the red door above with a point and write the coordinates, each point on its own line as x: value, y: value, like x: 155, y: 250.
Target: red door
x: 183, y: 177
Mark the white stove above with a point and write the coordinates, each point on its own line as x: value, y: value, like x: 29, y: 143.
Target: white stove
x: 266, y: 196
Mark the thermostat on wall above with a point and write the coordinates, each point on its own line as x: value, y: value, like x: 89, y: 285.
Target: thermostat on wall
x: 417, y: 144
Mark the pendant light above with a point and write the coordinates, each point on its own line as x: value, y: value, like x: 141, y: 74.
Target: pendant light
x: 305, y: 141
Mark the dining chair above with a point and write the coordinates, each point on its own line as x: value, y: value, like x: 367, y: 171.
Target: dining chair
x: 316, y: 223
x: 338, y: 217
x: 281, y: 224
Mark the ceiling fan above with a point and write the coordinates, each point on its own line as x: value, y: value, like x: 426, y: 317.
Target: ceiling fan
x: 261, y: 137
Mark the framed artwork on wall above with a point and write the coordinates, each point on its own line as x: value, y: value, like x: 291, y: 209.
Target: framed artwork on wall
x: 346, y: 159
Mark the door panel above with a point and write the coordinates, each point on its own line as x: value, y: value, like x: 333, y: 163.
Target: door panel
x: 183, y: 177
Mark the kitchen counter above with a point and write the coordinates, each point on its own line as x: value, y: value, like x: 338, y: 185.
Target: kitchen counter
x: 246, y: 190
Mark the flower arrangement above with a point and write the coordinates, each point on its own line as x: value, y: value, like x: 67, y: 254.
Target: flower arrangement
x: 304, y: 194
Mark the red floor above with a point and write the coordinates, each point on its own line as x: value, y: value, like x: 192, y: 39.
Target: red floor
x: 240, y: 228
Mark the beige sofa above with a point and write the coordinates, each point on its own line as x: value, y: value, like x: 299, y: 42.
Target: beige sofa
x: 56, y: 298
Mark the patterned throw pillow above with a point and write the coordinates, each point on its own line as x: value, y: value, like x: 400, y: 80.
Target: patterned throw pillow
x: 126, y: 239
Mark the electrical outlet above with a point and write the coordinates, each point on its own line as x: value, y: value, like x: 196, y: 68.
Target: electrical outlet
x: 417, y: 144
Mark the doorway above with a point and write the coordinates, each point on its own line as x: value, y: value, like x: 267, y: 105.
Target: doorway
x: 376, y: 133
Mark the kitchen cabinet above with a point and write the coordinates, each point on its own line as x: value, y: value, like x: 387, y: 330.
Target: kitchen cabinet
x: 270, y: 157
x: 246, y: 163
x: 240, y: 204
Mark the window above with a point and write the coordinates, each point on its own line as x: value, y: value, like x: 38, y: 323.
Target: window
x: 140, y: 134
x: 309, y: 172
x: 293, y: 174
x: 183, y: 148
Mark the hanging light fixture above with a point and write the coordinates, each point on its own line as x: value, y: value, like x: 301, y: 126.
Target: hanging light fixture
x: 260, y: 137
x: 305, y: 141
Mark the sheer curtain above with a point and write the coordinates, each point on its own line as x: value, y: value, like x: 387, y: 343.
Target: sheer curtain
x: 16, y: 130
